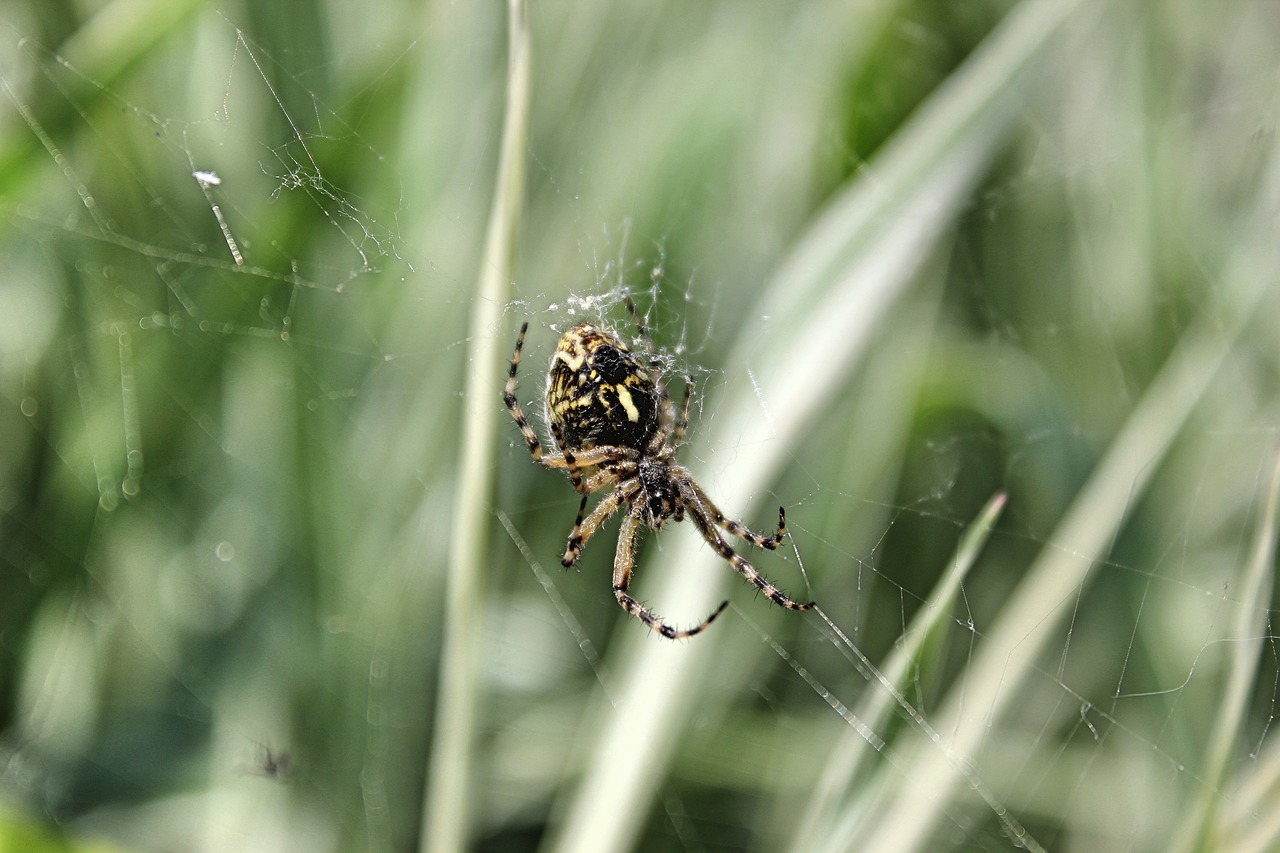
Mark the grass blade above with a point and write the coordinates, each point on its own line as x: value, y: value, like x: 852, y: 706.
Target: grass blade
x: 1034, y: 612
x: 857, y: 260
x: 448, y: 799
x: 1202, y: 827
x: 850, y: 754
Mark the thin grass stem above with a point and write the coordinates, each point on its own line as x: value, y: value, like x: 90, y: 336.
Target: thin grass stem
x: 447, y: 809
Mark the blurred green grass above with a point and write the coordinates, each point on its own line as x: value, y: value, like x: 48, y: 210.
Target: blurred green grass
x: 228, y: 490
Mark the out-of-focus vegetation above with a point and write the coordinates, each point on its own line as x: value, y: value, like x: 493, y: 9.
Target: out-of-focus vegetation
x: 913, y: 255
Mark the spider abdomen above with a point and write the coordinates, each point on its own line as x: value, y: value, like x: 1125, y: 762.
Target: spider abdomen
x: 598, y: 394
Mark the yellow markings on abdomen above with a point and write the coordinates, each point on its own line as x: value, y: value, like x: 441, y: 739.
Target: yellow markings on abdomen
x: 572, y: 360
x: 624, y: 397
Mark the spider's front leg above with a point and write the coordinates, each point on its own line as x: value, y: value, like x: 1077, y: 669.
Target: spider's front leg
x: 682, y: 424
x: 583, y: 530
x: 570, y: 460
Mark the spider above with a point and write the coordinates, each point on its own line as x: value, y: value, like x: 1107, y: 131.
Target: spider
x: 616, y: 429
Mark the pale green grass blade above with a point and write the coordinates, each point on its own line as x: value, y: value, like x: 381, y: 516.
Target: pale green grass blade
x: 1251, y: 813
x: 1034, y: 613
x: 818, y: 829
x: 856, y: 261
x: 449, y: 789
x: 1204, y: 828
x: 1264, y: 835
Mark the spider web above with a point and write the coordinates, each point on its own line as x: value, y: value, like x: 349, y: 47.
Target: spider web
x: 240, y: 258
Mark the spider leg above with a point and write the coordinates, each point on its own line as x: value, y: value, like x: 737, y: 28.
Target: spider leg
x: 589, y: 458
x: 583, y: 530
x: 736, y: 528
x: 576, y: 461
x: 644, y: 338
x: 600, y: 479
x: 639, y: 321
x: 748, y: 571
x: 513, y: 404
x: 570, y: 458
x: 677, y: 437
x: 623, y: 563
x: 667, y: 415
x: 666, y: 418
x: 613, y: 457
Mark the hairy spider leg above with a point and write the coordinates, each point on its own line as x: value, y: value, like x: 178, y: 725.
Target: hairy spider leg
x: 583, y: 530
x: 739, y: 564
x: 644, y: 338
x: 737, y: 528
x: 677, y: 437
x: 623, y: 562
x: 639, y: 321
x: 570, y: 458
x: 513, y: 404
x: 604, y: 477
x: 607, y: 455
x: 666, y: 421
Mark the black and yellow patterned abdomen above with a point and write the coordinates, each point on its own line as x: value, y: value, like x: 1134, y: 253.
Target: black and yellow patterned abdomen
x: 598, y: 394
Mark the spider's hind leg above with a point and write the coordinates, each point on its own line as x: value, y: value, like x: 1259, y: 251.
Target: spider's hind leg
x: 741, y: 566
x: 623, y: 563
x: 737, y: 528
x: 669, y: 425
x: 513, y: 403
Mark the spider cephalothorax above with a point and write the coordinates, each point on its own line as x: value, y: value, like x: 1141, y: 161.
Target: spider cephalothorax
x: 616, y: 429
x: 659, y: 495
